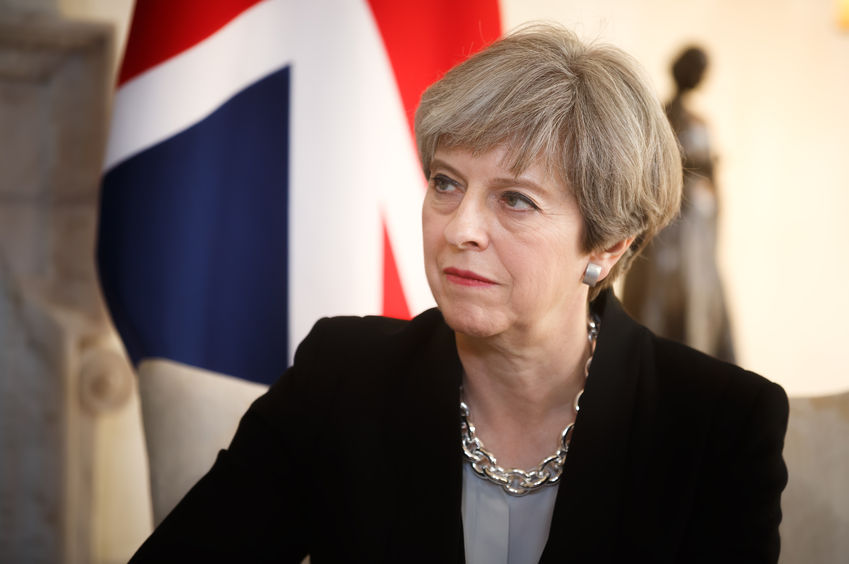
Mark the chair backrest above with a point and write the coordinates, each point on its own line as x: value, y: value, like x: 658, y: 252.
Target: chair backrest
x: 815, y: 527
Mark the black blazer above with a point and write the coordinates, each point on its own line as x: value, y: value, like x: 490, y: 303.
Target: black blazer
x: 354, y: 456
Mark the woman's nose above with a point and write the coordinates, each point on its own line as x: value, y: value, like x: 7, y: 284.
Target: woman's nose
x: 467, y: 228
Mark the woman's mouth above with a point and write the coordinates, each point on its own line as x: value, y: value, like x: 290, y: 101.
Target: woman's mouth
x: 466, y: 277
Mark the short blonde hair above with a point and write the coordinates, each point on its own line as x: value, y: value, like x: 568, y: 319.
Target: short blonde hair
x: 588, y: 111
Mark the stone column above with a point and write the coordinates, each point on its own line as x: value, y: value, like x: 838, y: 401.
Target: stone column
x: 59, y: 362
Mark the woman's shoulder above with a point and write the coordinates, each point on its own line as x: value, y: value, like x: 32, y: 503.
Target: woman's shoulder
x: 716, y: 432
x: 729, y: 406
x: 350, y: 360
x: 692, y: 371
x: 359, y: 337
x: 677, y: 370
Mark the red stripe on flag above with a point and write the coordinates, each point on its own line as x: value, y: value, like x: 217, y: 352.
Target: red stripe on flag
x: 423, y: 40
x: 426, y: 38
x: 161, y: 29
x: 394, y: 302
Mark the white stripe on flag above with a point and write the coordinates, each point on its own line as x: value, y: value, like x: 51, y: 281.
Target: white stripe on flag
x: 352, y: 157
x: 183, y: 90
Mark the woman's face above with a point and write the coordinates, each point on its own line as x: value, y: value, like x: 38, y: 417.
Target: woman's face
x: 502, y: 253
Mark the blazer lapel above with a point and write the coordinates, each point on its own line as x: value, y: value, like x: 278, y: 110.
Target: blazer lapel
x: 425, y: 439
x: 587, y: 513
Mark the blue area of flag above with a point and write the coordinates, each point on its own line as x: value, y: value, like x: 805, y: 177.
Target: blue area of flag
x: 192, y: 244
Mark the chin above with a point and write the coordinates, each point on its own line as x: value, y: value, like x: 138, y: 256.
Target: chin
x: 473, y: 321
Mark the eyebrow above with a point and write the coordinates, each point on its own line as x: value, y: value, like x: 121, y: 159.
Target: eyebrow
x: 518, y: 182
x: 437, y: 163
x: 499, y: 182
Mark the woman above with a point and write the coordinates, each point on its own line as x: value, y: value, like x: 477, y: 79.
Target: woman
x: 550, y: 164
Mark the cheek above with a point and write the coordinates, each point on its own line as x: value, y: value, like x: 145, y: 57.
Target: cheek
x: 548, y: 263
x: 431, y: 235
x: 431, y: 225
x: 430, y: 242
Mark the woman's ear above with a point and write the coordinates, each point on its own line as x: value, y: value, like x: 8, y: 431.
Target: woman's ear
x: 608, y: 257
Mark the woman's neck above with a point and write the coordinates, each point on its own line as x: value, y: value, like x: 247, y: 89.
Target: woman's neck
x: 521, y: 392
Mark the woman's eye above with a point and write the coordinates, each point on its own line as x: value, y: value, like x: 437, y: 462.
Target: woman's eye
x: 442, y: 183
x: 517, y: 201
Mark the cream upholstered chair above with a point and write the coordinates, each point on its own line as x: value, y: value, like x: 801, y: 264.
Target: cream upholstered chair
x: 815, y: 527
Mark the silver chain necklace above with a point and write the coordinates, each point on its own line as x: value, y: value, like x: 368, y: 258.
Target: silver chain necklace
x: 514, y: 481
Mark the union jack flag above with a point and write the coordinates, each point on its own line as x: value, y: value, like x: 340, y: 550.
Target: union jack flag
x: 261, y: 171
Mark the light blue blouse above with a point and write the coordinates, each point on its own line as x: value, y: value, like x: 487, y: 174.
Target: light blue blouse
x: 502, y: 529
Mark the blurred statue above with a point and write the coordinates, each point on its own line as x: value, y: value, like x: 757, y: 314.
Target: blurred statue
x: 674, y: 288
